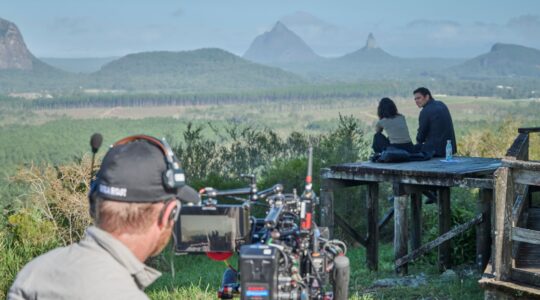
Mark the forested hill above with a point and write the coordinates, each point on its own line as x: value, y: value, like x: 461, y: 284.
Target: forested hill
x: 504, y: 60
x: 200, y: 70
x: 41, y: 77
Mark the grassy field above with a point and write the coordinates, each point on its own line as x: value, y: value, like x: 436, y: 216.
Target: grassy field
x: 57, y: 135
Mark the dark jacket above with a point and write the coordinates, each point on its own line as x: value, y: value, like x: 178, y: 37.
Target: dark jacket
x: 436, y: 127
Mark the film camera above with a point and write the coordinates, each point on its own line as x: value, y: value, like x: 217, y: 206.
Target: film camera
x: 284, y: 255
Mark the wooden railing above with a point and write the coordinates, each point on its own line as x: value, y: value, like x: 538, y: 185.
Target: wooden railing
x: 512, y: 182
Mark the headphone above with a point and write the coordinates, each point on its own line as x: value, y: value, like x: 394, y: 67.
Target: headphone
x: 173, y: 177
x: 175, y: 212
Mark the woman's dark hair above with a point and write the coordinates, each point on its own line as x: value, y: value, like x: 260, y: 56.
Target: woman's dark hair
x: 387, y: 109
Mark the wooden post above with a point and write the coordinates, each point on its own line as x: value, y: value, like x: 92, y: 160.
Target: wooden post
x: 502, y: 243
x: 327, y: 206
x: 445, y: 259
x: 372, y: 206
x: 483, y: 229
x: 400, y: 226
x: 416, y: 218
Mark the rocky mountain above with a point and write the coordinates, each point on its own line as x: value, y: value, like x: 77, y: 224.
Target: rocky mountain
x: 370, y: 53
x: 504, y: 60
x: 20, y: 71
x: 280, y: 45
x: 13, y: 52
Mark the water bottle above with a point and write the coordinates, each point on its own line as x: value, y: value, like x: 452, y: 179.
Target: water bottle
x: 449, y: 150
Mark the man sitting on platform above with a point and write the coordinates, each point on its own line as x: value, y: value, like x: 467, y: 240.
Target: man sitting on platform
x: 435, y: 124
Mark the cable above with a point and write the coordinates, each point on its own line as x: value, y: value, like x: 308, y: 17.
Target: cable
x: 172, y: 253
x: 282, y: 254
x: 338, y: 242
x: 318, y: 278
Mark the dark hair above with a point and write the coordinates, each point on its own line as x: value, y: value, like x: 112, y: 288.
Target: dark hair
x: 423, y: 91
x: 387, y: 109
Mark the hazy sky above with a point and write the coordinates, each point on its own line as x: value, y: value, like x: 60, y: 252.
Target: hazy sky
x: 412, y: 28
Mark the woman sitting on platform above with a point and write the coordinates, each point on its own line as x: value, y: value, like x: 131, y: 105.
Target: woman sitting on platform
x: 395, y: 126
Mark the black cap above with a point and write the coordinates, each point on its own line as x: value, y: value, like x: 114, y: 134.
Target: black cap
x: 133, y: 172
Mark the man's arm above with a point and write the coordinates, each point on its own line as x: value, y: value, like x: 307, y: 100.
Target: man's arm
x: 423, y: 127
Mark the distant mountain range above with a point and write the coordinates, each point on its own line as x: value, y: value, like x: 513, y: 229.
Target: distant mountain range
x: 369, y: 62
x: 277, y: 58
x: 203, y: 70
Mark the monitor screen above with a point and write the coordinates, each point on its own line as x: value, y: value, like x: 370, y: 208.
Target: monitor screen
x: 202, y: 229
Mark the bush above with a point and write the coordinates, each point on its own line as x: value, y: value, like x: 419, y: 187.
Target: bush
x: 59, y: 194
x: 23, y: 236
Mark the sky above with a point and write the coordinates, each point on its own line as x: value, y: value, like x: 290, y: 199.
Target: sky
x: 407, y: 28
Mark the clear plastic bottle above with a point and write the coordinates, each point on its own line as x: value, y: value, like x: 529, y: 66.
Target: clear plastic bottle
x: 449, y: 150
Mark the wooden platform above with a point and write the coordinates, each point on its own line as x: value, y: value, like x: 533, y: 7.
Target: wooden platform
x: 412, y: 179
x: 436, y: 172
x: 514, y: 269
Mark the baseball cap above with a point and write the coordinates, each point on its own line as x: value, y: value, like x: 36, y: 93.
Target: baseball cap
x: 133, y: 172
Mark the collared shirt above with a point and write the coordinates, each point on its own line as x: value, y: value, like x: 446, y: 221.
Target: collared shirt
x: 436, y: 127
x: 98, y: 267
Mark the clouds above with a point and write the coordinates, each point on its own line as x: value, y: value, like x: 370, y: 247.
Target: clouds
x: 325, y: 38
x: 526, y: 25
x: 423, y: 23
x: 70, y: 25
x: 178, y: 13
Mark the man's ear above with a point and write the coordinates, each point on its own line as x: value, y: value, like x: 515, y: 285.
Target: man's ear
x: 170, y: 211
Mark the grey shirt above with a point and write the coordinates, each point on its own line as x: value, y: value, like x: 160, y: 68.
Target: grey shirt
x: 396, y: 129
x: 98, y: 267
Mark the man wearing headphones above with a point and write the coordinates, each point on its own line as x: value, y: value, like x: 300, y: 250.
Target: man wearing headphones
x: 134, y: 201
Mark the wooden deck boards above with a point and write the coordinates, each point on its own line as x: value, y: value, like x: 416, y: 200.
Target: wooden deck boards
x: 435, y: 168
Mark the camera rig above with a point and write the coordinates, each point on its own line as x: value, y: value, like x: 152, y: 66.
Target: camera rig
x: 282, y: 256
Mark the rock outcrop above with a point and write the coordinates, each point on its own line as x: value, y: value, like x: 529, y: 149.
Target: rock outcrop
x: 13, y: 52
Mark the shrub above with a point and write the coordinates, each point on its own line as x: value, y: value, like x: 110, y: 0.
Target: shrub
x: 59, y: 194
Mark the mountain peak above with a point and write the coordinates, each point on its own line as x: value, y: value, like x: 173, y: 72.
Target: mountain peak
x: 371, y: 43
x: 13, y: 51
x: 279, y: 45
x: 279, y: 26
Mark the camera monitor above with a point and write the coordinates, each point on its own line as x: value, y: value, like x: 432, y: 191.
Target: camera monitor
x: 220, y: 228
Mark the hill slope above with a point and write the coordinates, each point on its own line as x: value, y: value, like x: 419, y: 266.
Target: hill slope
x: 504, y: 60
x: 200, y: 70
x: 78, y: 65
